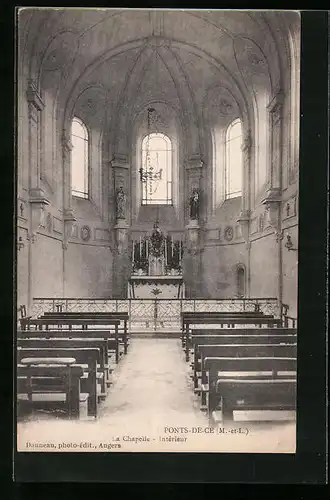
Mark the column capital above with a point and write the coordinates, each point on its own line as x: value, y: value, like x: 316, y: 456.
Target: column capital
x: 37, y: 197
x: 272, y: 201
x: 194, y: 162
x: 276, y: 102
x: 119, y: 161
x: 33, y: 96
x: 66, y: 141
x: 244, y: 223
x: 38, y: 204
x: 68, y: 215
x: 273, y: 196
x: 247, y: 142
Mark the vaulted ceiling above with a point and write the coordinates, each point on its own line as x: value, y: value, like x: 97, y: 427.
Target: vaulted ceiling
x: 132, y: 57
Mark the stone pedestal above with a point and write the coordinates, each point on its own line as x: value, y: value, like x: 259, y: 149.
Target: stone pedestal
x: 192, y: 260
x: 121, y: 260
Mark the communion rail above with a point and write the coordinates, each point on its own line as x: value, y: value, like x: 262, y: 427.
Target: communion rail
x: 158, y: 314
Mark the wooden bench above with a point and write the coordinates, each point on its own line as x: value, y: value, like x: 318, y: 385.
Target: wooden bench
x: 68, y: 323
x: 80, y: 345
x: 220, y: 319
x: 231, y: 339
x: 241, y: 336
x: 217, y: 315
x: 121, y: 316
x: 249, y: 369
x: 84, y: 323
x: 241, y: 332
x: 50, y: 382
x: 112, y: 341
x: 239, y: 350
x: 256, y: 394
x: 87, y: 358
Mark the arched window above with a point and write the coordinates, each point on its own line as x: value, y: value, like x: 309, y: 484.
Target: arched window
x: 79, y: 159
x: 234, y: 160
x: 156, y: 170
x: 240, y: 280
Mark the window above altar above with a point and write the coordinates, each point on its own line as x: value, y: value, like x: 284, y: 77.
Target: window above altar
x: 156, y: 170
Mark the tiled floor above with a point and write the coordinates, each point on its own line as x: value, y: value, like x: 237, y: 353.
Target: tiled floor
x: 152, y: 398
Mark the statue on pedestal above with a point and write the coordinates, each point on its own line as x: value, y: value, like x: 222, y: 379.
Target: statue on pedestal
x: 121, y: 203
x: 194, y: 205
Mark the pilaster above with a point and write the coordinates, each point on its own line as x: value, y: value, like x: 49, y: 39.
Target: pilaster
x: 275, y: 109
x: 35, y: 107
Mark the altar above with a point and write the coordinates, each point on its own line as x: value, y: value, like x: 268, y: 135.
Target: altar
x: 156, y: 287
x: 156, y: 267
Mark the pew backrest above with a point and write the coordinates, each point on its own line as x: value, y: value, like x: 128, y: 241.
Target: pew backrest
x: 273, y: 365
x: 100, y: 344
x: 69, y: 334
x: 70, y: 321
x: 245, y: 331
x: 248, y: 350
x: 242, y: 339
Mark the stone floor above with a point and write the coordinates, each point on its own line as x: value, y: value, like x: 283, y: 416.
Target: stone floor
x: 151, y: 406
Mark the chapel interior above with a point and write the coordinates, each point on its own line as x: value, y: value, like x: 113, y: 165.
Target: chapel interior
x: 157, y: 174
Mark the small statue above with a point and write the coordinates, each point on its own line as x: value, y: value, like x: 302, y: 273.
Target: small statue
x: 121, y: 202
x: 194, y: 205
x: 157, y: 240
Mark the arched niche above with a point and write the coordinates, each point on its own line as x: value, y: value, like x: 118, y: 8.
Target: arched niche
x: 90, y: 107
x: 167, y: 122
x: 220, y: 109
x: 240, y: 280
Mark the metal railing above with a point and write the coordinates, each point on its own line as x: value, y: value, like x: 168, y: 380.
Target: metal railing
x: 159, y: 314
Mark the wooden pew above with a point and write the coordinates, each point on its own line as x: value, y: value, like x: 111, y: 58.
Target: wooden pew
x: 217, y: 315
x: 256, y: 394
x: 87, y: 358
x: 66, y: 390
x: 240, y: 332
x: 219, y: 318
x: 251, y: 369
x: 44, y: 324
x: 240, y: 337
x: 113, y: 343
x: 240, y: 350
x: 54, y: 343
x: 122, y: 316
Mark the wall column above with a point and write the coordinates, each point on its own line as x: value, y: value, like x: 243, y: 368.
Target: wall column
x: 68, y: 216
x: 244, y: 217
x: 118, y: 204
x: 273, y: 198
x: 37, y: 200
x: 192, y: 261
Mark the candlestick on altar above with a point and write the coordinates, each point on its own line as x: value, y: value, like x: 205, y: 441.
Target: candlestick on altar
x: 172, y: 247
x: 140, y: 248
x: 133, y: 252
x: 147, y: 248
